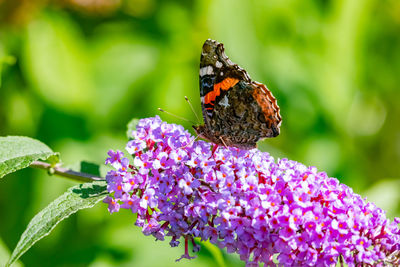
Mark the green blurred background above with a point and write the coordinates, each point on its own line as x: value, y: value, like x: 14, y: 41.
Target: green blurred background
x: 74, y: 72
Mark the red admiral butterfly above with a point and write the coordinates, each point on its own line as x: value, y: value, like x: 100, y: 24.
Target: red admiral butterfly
x: 236, y: 110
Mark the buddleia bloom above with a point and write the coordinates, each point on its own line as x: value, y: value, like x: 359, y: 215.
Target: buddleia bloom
x: 276, y: 212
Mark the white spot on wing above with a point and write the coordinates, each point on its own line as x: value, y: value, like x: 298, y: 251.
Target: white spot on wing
x: 224, y: 102
x: 207, y: 70
x: 218, y: 64
x: 202, y: 71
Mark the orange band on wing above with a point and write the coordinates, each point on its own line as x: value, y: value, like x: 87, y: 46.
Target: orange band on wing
x: 224, y: 85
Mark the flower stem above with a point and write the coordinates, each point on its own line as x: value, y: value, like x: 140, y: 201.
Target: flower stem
x: 67, y: 173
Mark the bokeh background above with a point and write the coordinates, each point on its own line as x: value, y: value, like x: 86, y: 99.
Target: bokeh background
x: 74, y: 72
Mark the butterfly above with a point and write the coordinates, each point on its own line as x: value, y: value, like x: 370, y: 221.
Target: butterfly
x: 237, y: 111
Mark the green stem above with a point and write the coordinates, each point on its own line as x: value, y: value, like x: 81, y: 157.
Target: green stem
x: 68, y: 173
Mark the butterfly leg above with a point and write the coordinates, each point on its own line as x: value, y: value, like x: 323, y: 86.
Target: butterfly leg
x: 222, y: 140
x: 216, y: 146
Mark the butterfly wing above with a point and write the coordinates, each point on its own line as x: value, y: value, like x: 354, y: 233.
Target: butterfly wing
x: 235, y: 109
x: 217, y: 75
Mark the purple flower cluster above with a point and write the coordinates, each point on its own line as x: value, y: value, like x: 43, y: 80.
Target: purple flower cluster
x: 268, y: 212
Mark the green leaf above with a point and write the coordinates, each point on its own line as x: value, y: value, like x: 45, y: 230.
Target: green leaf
x: 76, y: 198
x: 18, y: 152
x: 131, y: 127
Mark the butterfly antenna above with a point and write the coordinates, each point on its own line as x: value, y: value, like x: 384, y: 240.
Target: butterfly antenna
x: 190, y: 104
x: 191, y: 142
x: 176, y: 116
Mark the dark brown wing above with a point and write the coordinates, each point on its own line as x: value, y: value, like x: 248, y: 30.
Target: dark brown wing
x: 269, y: 109
x: 217, y: 75
x: 247, y: 113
